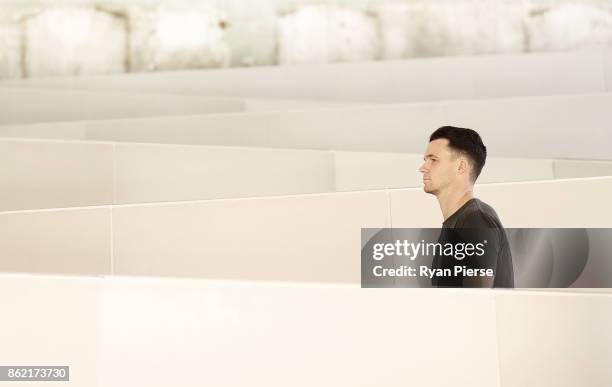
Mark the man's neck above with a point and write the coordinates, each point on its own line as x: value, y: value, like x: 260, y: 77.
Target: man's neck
x: 451, y: 201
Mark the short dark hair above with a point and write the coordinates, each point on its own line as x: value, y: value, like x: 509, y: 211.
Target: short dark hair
x: 465, y: 141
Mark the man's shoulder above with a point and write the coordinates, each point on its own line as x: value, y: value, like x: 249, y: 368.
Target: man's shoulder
x: 479, y: 215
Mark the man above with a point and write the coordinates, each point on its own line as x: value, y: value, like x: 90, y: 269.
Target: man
x: 453, y: 161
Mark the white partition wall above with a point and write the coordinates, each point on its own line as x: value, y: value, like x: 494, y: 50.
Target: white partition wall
x: 608, y: 69
x: 561, y: 203
x: 50, y: 320
x: 54, y: 174
x: 581, y: 168
x: 130, y: 332
x: 539, y: 127
x: 388, y: 81
x: 299, y: 238
x: 299, y: 335
x: 150, y: 173
x: 265, y: 104
x: 70, y: 241
x: 554, y: 340
x: 294, y: 238
x: 312, y: 238
x: 31, y: 106
x: 376, y: 170
x: 57, y: 174
x: 149, y: 332
x: 555, y: 203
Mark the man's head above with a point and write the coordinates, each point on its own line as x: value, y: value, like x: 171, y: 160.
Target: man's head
x: 454, y: 159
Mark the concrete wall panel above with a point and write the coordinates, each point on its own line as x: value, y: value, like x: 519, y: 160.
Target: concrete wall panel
x: 376, y: 170
x: 75, y: 241
x: 535, y: 127
x: 554, y: 340
x: 32, y: 106
x: 51, y: 321
x: 565, y: 169
x: 154, y: 173
x: 47, y: 174
x: 560, y: 203
x: 390, y: 81
x: 302, y: 238
x: 297, y: 334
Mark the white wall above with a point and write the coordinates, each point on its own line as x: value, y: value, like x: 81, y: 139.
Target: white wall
x: 55, y: 174
x: 155, y: 173
x: 73, y: 241
x: 576, y: 127
x: 149, y: 332
x: 32, y: 106
x: 561, y: 340
x: 289, y: 238
x: 266, y: 104
x: 36, y: 174
x: 307, y: 334
x: 581, y: 168
x: 299, y: 335
x: 52, y: 321
x: 521, y: 204
x: 608, y: 68
x: 424, y: 79
x: 376, y: 170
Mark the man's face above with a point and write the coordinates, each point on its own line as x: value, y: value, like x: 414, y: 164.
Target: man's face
x: 440, y: 167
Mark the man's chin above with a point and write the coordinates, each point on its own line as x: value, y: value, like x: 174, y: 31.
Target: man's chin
x: 429, y: 190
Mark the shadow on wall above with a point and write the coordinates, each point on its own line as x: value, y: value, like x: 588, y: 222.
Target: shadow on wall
x: 72, y: 40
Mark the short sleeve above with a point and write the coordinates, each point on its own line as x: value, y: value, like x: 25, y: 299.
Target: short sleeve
x: 477, y: 219
x: 478, y: 228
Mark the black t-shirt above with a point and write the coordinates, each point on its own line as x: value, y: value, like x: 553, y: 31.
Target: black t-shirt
x: 474, y: 222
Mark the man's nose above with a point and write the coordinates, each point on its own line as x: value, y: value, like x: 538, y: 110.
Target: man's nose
x: 422, y: 168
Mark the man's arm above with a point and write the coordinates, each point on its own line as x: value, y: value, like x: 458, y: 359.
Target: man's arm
x: 478, y: 228
x: 478, y: 282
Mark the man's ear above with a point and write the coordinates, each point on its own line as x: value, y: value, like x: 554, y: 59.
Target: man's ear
x: 464, y: 166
